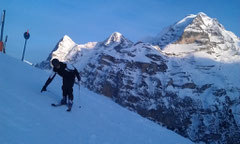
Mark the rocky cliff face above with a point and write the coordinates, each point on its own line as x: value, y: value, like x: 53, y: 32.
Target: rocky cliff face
x: 186, y: 78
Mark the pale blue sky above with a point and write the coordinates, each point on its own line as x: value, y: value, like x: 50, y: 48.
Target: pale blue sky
x: 94, y: 20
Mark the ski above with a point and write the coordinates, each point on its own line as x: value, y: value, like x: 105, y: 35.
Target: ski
x: 56, y: 105
x: 69, y: 109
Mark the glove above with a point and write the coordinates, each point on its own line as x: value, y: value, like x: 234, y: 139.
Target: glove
x: 43, y: 89
x: 77, y: 82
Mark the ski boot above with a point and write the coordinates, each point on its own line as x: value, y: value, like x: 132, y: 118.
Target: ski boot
x: 70, y: 103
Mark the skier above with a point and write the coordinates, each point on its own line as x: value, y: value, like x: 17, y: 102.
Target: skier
x: 68, y: 73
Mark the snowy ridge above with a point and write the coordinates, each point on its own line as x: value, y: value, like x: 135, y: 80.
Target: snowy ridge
x: 68, y: 51
x: 28, y: 118
x: 171, y: 33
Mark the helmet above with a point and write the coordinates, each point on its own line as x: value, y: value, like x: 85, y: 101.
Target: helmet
x: 55, y: 62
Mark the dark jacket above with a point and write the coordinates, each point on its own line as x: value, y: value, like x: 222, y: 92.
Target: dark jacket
x: 67, y: 72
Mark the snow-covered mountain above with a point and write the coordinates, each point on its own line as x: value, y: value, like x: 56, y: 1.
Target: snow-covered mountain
x: 200, y: 32
x: 186, y: 78
x: 68, y: 51
x: 26, y: 116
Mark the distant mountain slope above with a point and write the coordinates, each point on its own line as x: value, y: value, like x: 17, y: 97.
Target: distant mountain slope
x: 186, y: 78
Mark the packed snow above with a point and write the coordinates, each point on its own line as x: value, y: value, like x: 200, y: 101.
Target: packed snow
x: 26, y: 116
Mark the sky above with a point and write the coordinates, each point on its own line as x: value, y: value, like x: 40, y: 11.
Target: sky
x: 95, y: 20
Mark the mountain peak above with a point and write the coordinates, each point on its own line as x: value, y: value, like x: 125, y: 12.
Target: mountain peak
x: 198, y: 28
x: 173, y: 32
x: 63, y: 48
x: 201, y: 14
x: 202, y: 18
x: 66, y: 38
x: 116, y: 37
x: 189, y: 19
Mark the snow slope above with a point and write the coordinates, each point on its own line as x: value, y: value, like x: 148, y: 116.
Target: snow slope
x: 26, y: 116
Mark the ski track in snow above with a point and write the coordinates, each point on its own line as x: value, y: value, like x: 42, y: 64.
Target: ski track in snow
x: 27, y: 117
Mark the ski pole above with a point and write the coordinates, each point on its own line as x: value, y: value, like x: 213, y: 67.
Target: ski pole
x: 79, y: 94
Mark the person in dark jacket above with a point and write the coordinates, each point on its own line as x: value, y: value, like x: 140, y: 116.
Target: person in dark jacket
x: 68, y: 74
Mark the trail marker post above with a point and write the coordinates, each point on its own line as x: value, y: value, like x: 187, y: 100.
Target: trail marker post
x: 26, y: 36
